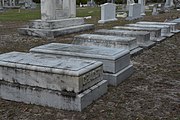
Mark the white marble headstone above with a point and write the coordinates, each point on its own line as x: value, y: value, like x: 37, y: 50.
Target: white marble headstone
x: 142, y: 3
x: 134, y: 11
x: 108, y: 12
x: 57, y: 9
x: 169, y: 3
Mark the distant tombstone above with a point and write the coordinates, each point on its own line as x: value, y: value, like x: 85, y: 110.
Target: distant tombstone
x: 169, y: 3
x: 65, y: 9
x: 57, y: 9
x: 80, y: 5
x: 91, y: 3
x: 108, y: 13
x: 128, y: 3
x: 0, y: 5
x: 134, y: 11
x: 142, y: 3
x: 161, y: 7
x: 154, y: 11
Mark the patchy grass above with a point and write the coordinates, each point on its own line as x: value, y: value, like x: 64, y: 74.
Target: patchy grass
x: 26, y: 15
x: 19, y: 15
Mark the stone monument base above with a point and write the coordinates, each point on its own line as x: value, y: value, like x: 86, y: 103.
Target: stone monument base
x: 54, y: 28
x: 109, y: 20
x: 50, y: 98
x: 134, y: 18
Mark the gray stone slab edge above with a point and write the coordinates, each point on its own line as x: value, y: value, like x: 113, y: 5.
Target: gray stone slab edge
x: 55, y: 32
x: 136, y: 51
x: 50, y: 70
x: 115, y: 79
x: 148, y: 44
x: 44, y: 97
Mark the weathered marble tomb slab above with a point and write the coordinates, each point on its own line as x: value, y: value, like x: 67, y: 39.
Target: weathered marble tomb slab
x: 50, y: 72
x: 176, y: 21
x: 143, y: 38
x: 173, y: 26
x: 114, y: 60
x: 46, y: 97
x: 155, y: 33
x: 165, y: 30
x: 129, y: 43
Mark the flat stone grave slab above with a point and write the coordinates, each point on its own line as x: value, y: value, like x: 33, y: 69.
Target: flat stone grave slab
x: 114, y: 60
x: 47, y: 80
x: 50, y: 98
x: 143, y: 38
x: 176, y: 21
x: 165, y: 30
x: 129, y: 43
x: 50, y: 72
x: 173, y: 26
x: 155, y: 33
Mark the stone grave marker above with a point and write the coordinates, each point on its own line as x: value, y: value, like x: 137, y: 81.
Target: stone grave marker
x: 142, y: 3
x: 129, y: 43
x: 154, y: 11
x: 116, y: 62
x: 165, y: 30
x: 55, y: 18
x: 143, y: 38
x: 155, y: 33
x: 134, y: 11
x: 59, y: 82
x: 128, y: 3
x: 173, y: 26
x: 108, y: 13
x: 176, y: 21
x: 169, y: 3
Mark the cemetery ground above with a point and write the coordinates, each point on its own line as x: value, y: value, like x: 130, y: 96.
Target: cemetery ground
x: 152, y: 92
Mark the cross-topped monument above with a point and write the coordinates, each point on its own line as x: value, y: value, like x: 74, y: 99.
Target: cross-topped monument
x: 58, y: 17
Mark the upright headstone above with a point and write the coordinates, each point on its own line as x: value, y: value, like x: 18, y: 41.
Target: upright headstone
x: 10, y: 2
x: 1, y: 7
x: 13, y: 3
x: 129, y: 2
x: 4, y: 3
x: 48, y: 9
x: 134, y: 11
x: 169, y: 3
x: 108, y: 13
x: 91, y: 3
x: 142, y: 3
x: 154, y: 11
